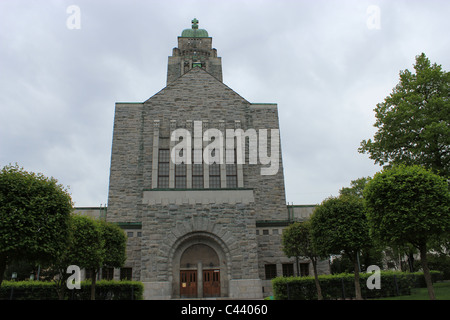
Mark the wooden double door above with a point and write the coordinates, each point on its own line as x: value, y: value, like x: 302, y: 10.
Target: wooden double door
x: 189, y: 283
x: 211, y: 283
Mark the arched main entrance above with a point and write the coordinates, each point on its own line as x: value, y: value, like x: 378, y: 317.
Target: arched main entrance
x: 199, y: 267
x: 199, y: 272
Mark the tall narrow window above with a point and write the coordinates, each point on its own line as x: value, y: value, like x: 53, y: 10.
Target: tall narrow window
x: 197, y: 176
x: 214, y: 172
x: 288, y: 269
x: 231, y: 169
x: 180, y: 176
x: 214, y: 176
x: 197, y: 170
x: 163, y: 168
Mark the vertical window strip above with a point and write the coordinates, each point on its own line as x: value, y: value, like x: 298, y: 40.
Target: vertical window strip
x: 231, y: 170
x: 163, y: 168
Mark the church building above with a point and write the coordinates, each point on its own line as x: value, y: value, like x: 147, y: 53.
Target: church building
x: 197, y: 184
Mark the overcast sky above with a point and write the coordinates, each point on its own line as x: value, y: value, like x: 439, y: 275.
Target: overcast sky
x: 325, y: 63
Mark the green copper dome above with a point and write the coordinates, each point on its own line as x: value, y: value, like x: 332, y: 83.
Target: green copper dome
x: 195, y: 32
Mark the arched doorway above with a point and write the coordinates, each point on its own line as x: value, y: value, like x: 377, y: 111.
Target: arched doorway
x: 199, y: 272
x: 199, y: 266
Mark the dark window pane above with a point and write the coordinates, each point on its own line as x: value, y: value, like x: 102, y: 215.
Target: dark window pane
x: 288, y: 270
x: 231, y: 181
x: 180, y: 182
x: 164, y: 155
x: 271, y: 271
x: 214, y: 182
x: 197, y: 170
x: 163, y: 169
x: 180, y: 170
x: 197, y: 182
x: 163, y: 182
x: 126, y: 273
x: 214, y: 170
x: 231, y: 169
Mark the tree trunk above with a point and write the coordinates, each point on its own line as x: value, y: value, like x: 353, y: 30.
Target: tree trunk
x: 60, y: 283
x: 411, y: 261
x: 3, y: 261
x: 426, y: 271
x: 316, y: 280
x: 357, y: 286
x: 94, y: 280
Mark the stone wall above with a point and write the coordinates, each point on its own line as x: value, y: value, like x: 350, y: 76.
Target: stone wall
x: 172, y: 219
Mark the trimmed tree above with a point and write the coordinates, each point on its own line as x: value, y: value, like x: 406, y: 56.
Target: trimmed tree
x: 297, y: 242
x: 115, y: 242
x: 87, y: 247
x: 409, y: 204
x: 34, y: 217
x: 339, y: 226
x: 101, y: 244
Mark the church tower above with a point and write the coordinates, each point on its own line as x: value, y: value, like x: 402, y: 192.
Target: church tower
x: 194, y: 50
x: 197, y: 183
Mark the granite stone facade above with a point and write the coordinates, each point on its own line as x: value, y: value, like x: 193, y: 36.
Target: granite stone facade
x: 186, y: 241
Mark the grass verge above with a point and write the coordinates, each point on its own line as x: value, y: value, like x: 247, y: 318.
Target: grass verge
x: 441, y: 290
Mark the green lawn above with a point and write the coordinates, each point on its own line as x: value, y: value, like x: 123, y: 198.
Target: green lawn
x: 441, y: 290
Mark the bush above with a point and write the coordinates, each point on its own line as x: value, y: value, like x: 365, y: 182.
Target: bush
x: 28, y: 290
x: 40, y: 290
x: 342, y: 286
x: 440, y: 262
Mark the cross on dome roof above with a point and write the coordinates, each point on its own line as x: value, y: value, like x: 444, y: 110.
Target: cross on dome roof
x: 194, y: 32
x: 195, y: 23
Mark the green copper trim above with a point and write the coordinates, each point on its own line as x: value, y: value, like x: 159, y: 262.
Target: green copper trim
x: 130, y: 225
x: 195, y: 32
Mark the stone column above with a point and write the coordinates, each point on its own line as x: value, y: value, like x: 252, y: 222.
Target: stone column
x: 173, y: 125
x: 205, y: 166
x: 223, y: 166
x: 191, y: 160
x: 155, y: 154
x: 199, y: 280
x: 240, y: 171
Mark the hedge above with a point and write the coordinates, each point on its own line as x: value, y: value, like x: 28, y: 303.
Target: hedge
x: 40, y: 290
x: 342, y: 286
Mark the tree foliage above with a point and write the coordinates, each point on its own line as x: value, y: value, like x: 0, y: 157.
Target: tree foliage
x: 115, y: 242
x: 297, y: 242
x: 339, y: 226
x: 93, y: 244
x: 34, y: 217
x: 408, y: 204
x: 87, y: 247
x: 413, y: 122
x: 356, y: 187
